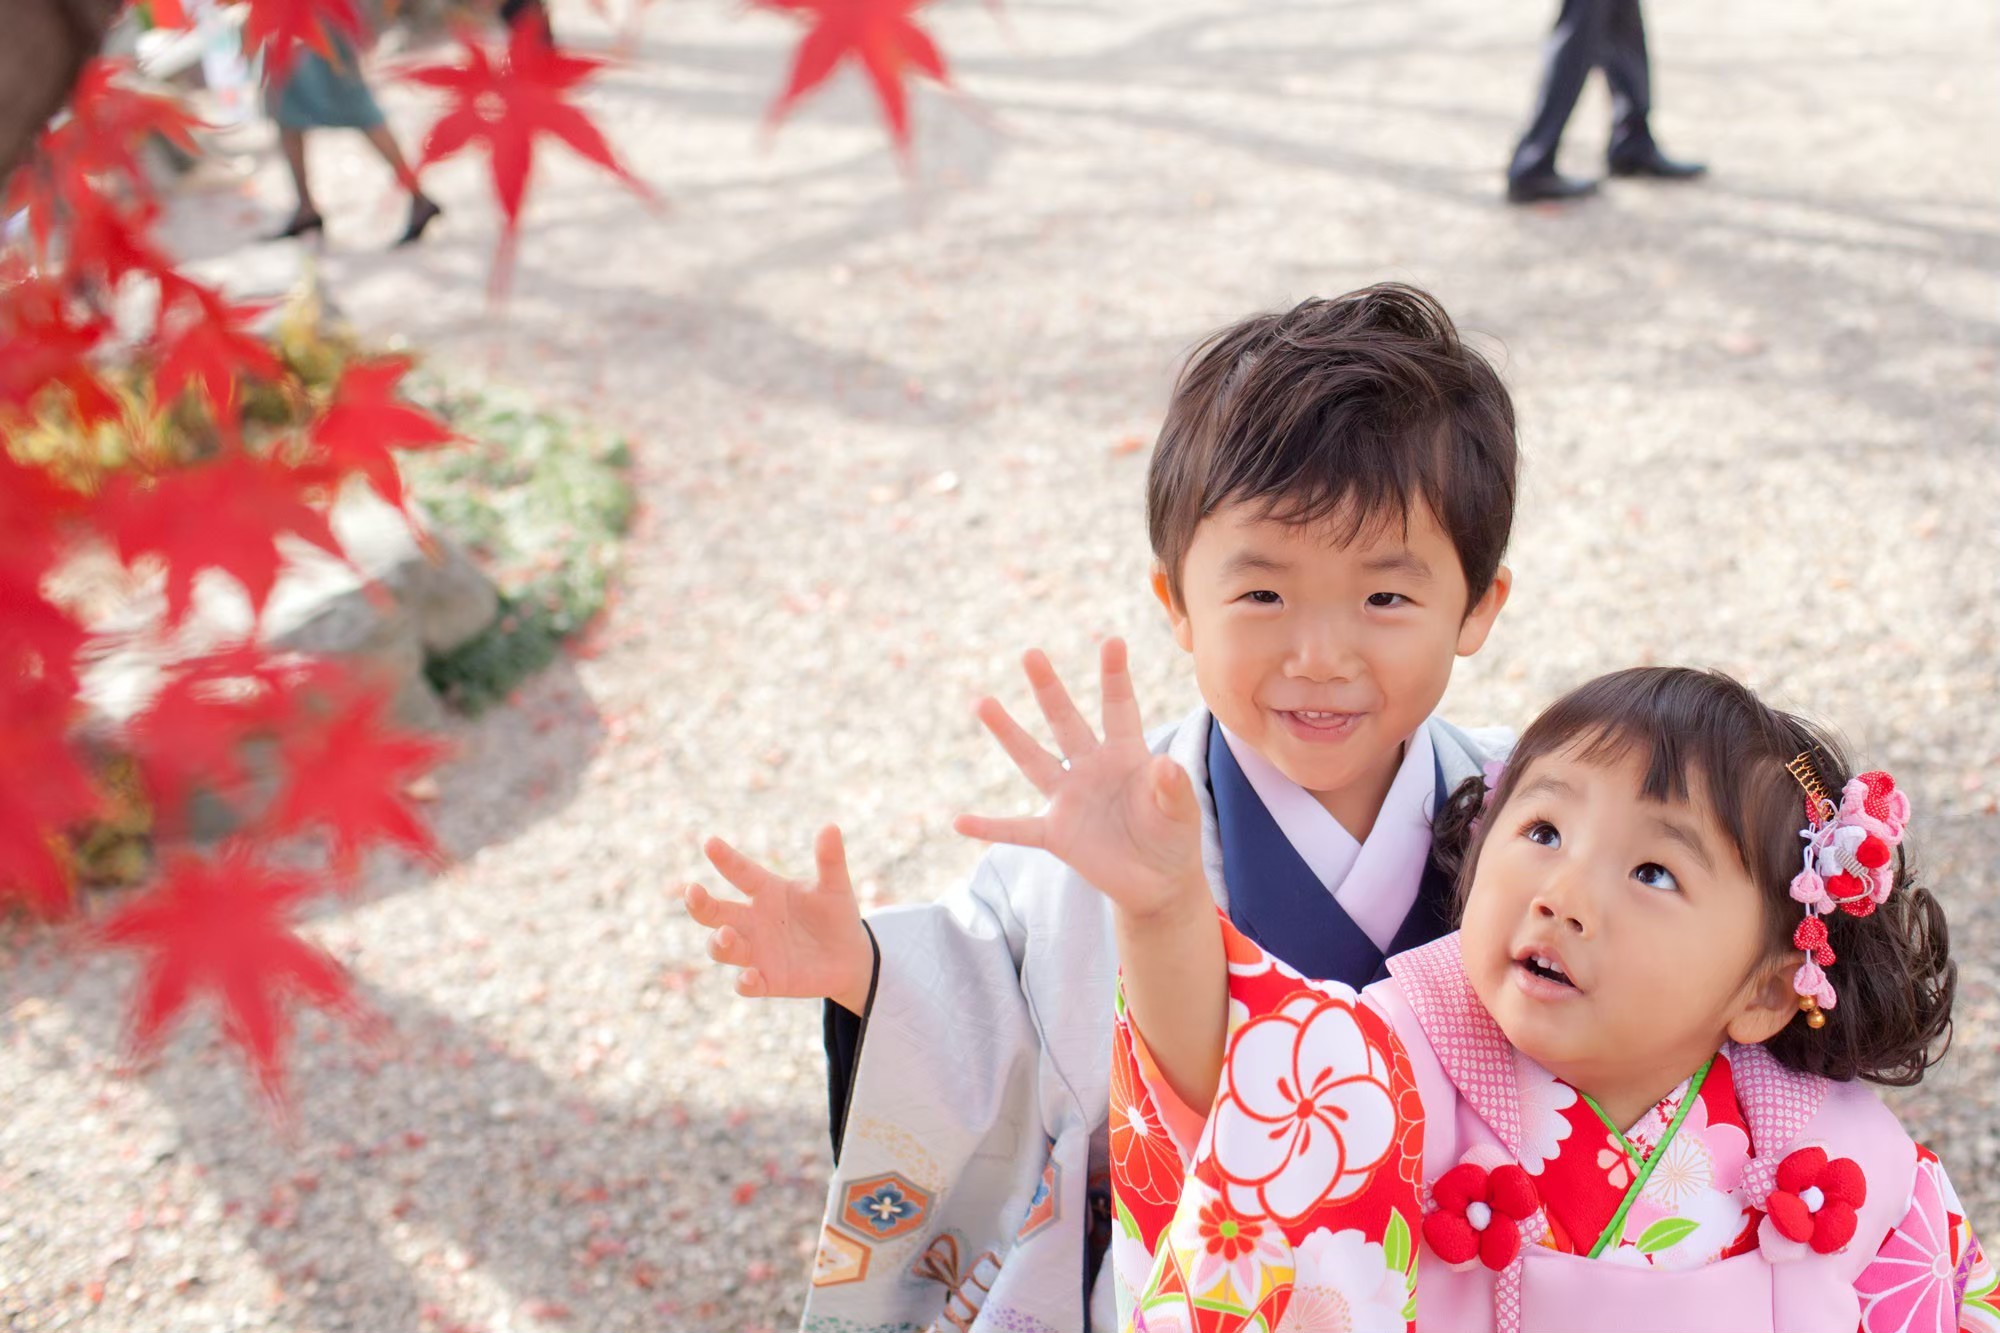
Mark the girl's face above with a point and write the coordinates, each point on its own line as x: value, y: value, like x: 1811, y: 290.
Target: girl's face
x: 1618, y: 940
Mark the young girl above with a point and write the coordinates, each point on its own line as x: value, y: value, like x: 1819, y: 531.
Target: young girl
x: 1622, y: 1095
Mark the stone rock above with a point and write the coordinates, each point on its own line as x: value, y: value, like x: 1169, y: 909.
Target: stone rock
x: 384, y: 609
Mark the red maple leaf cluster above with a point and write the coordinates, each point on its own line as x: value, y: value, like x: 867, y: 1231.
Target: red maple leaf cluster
x: 224, y: 922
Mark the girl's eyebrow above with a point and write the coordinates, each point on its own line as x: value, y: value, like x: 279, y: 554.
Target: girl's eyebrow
x: 1687, y: 838
x: 1545, y: 784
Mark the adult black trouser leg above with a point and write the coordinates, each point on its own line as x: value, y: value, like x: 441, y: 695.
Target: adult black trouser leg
x: 1588, y: 34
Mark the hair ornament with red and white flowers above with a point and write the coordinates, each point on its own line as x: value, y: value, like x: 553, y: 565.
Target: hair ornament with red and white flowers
x: 1848, y: 865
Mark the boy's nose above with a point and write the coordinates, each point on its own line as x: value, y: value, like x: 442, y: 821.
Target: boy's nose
x: 1324, y: 652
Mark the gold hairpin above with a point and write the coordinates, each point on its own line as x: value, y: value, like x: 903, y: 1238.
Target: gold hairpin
x: 1806, y: 774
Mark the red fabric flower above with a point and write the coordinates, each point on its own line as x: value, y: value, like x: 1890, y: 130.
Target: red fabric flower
x: 1815, y: 1199
x: 1478, y: 1214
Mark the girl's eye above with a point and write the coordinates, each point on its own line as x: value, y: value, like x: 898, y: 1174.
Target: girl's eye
x: 1264, y: 597
x: 1656, y: 876
x: 1386, y: 599
x: 1542, y: 832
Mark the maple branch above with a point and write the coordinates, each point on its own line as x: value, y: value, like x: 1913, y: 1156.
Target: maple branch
x: 48, y: 43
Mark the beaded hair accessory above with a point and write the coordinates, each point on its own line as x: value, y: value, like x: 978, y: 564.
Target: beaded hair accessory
x: 1847, y: 865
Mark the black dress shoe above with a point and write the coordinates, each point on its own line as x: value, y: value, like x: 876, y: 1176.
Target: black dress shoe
x: 423, y: 211
x: 1543, y: 186
x: 303, y: 222
x: 1650, y: 161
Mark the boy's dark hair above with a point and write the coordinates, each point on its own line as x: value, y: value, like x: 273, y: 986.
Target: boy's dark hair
x: 1701, y: 728
x: 1348, y: 409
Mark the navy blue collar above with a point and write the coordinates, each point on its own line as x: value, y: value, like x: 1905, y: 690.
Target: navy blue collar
x: 1276, y: 899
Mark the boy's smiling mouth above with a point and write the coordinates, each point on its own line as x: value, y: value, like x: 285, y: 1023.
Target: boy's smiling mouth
x: 1319, y: 725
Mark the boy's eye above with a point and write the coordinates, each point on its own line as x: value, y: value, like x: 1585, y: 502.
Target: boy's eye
x: 1263, y: 597
x: 1542, y: 832
x: 1386, y: 599
x: 1656, y: 876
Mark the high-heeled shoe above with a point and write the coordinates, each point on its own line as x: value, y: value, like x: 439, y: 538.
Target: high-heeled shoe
x: 304, y: 221
x: 423, y: 211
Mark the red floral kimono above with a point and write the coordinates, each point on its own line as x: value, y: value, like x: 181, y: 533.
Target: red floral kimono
x: 1302, y: 1203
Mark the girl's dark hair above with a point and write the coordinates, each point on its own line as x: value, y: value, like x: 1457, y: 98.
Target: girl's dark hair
x: 1894, y: 970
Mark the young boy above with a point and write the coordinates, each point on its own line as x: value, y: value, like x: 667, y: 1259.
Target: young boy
x: 1328, y: 503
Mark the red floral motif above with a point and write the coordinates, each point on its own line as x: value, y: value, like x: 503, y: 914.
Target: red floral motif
x: 1478, y: 1214
x: 1227, y: 1236
x: 1145, y: 1159
x: 1815, y: 1200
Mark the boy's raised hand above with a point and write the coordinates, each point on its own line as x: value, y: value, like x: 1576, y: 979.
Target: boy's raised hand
x: 1121, y: 816
x: 793, y: 937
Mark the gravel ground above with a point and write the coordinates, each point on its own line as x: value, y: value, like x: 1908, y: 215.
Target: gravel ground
x: 890, y: 434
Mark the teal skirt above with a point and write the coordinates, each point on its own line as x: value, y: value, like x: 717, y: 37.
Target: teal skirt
x: 319, y: 94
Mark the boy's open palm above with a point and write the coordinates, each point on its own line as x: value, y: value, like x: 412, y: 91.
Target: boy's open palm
x: 793, y: 937
x: 1119, y: 815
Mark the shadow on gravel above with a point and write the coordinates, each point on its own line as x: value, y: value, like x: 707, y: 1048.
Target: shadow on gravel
x: 442, y: 1160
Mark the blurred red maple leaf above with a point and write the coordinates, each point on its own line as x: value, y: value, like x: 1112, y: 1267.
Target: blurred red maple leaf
x: 108, y: 239
x: 880, y: 34
x: 110, y: 120
x: 203, y: 343
x: 44, y: 790
x: 363, y: 421
x: 192, y: 730
x: 278, y: 28
x: 225, y: 513
x: 506, y: 105
x: 224, y: 927
x: 347, y: 772
x: 43, y: 344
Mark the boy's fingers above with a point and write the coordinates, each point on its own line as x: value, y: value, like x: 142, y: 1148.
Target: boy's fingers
x: 1121, y: 705
x: 750, y: 983
x: 737, y: 868
x: 1072, y: 730
x: 1027, y: 832
x: 1172, y: 790
x: 1037, y: 765
x: 726, y: 946
x: 709, y: 910
x: 830, y: 859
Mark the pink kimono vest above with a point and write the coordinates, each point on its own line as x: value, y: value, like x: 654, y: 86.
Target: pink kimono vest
x: 1466, y: 1073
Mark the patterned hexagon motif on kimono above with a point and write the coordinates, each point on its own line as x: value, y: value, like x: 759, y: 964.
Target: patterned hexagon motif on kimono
x: 838, y: 1260
x: 1042, y: 1208
x: 885, y: 1206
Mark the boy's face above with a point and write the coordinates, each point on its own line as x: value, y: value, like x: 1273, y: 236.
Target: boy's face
x: 1326, y: 656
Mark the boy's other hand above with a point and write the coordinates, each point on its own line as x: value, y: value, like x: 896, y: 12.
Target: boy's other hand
x: 1119, y: 815
x: 793, y: 937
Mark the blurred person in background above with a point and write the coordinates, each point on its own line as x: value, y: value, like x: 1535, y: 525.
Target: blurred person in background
x: 331, y: 94
x: 1592, y: 34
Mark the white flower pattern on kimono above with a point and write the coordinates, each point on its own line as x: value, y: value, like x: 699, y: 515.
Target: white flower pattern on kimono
x: 1305, y: 1113
x: 1685, y: 1169
x: 1343, y: 1284
x: 1131, y: 1267
x: 1718, y: 1219
x: 1544, y: 1098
